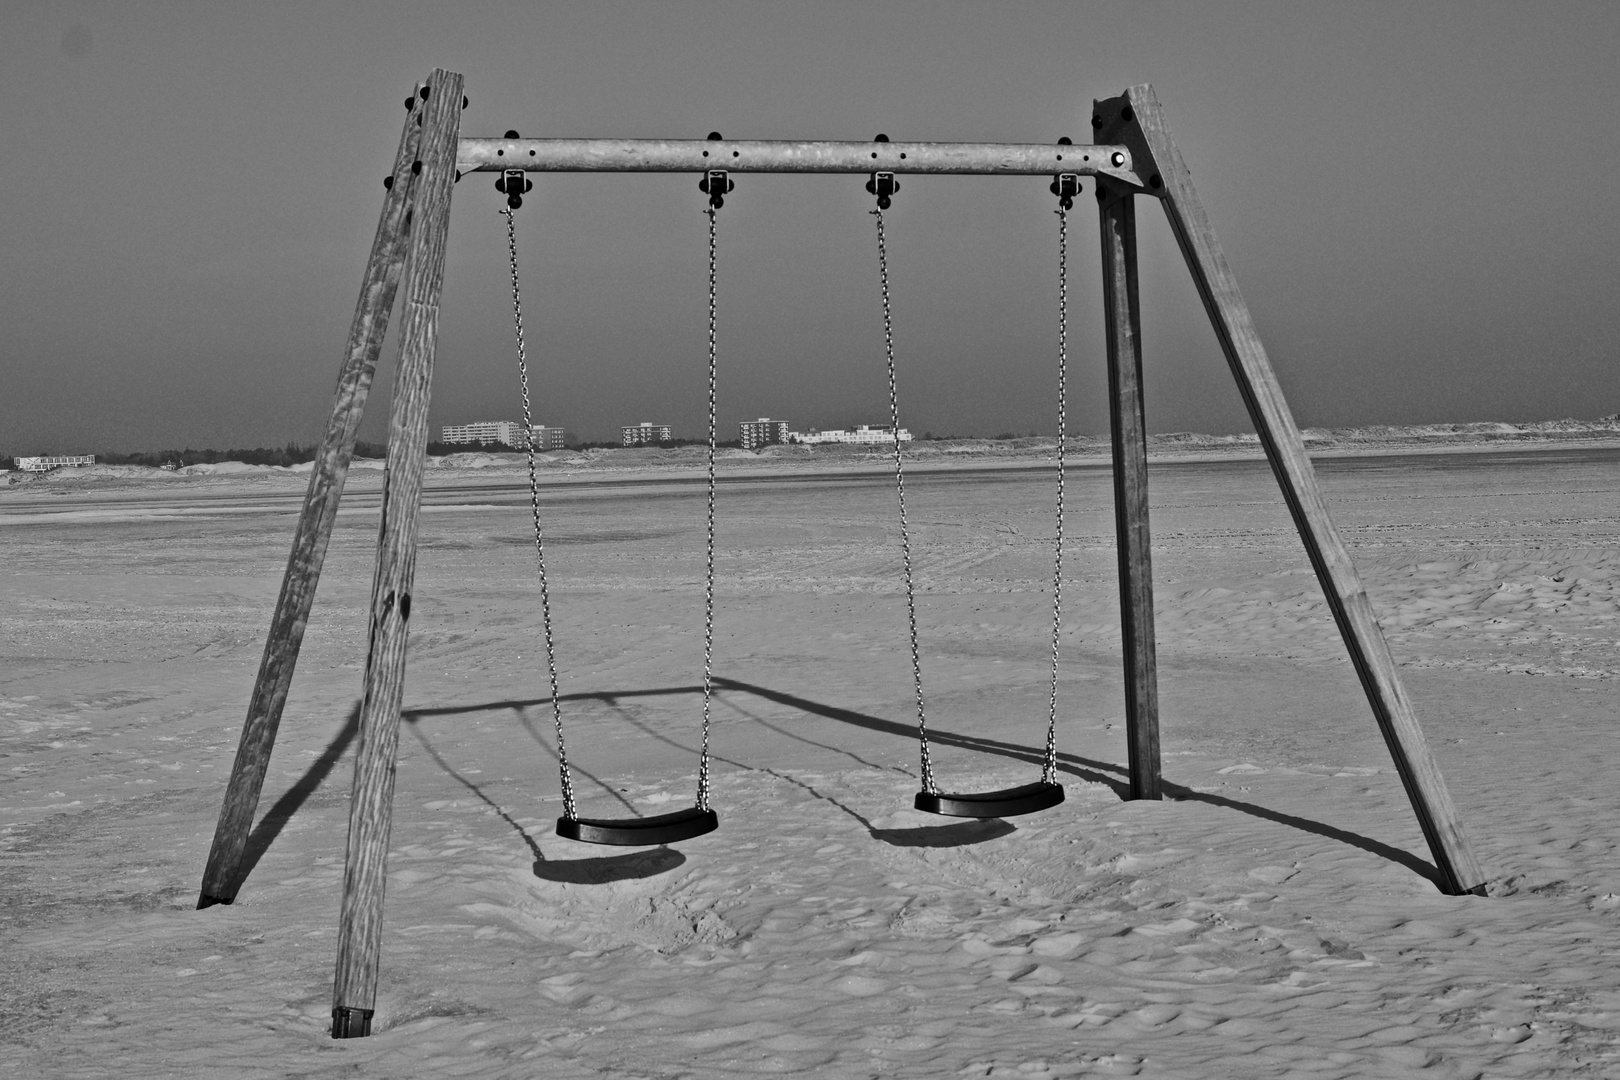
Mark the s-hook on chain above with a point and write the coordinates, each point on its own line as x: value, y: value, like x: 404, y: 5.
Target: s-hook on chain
x: 569, y: 809
x: 708, y: 581
x: 900, y: 492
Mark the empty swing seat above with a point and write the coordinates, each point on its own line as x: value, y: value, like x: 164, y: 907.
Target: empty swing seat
x: 992, y: 804
x: 642, y: 832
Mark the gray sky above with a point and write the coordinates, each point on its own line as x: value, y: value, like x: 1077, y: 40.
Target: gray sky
x: 1420, y: 200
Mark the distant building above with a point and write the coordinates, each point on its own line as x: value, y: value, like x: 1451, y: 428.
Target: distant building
x: 542, y: 437
x: 864, y: 433
x: 505, y: 432
x: 762, y: 432
x: 644, y: 434
x: 46, y: 464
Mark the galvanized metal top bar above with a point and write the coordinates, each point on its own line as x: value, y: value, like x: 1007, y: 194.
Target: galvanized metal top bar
x: 756, y: 156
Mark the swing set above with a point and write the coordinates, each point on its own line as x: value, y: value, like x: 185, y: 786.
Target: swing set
x: 1133, y: 155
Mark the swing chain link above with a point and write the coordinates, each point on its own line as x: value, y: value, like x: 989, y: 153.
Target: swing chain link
x: 1049, y: 762
x: 569, y: 809
x: 708, y: 583
x: 927, y: 764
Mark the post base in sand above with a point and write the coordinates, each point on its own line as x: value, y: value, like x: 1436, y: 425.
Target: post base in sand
x: 348, y: 1023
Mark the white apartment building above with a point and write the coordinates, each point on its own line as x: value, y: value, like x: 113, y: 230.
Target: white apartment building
x: 863, y: 433
x: 46, y: 464
x: 507, y: 433
x: 644, y: 434
x: 762, y: 432
x: 542, y: 437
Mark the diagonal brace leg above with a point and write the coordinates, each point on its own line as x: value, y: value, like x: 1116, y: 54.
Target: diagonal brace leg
x: 1136, y: 120
x: 222, y: 877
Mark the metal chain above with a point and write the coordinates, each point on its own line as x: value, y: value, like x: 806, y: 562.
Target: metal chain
x: 569, y: 809
x: 900, y: 491
x: 708, y: 583
x: 1049, y: 763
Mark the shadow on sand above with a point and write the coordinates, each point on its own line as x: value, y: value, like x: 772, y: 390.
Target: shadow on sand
x: 609, y: 868
x: 648, y: 863
x: 275, y: 819
x: 596, y: 870
x: 976, y: 831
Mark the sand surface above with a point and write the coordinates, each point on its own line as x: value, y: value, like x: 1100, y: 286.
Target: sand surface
x: 1275, y: 917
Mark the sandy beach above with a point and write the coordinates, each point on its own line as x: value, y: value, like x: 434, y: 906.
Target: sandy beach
x: 1274, y: 917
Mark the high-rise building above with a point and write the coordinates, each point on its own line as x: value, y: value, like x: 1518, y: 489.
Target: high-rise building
x: 644, y: 434
x: 762, y: 432
x: 548, y: 438
x: 507, y: 432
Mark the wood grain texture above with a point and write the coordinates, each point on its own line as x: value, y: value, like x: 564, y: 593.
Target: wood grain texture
x: 222, y: 875
x: 1136, y: 119
x: 371, y: 805
x: 1128, y: 424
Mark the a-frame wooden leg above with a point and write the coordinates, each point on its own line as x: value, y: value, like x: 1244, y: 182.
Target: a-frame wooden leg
x: 1136, y: 120
x: 222, y: 876
x: 1127, y: 421
x: 371, y: 805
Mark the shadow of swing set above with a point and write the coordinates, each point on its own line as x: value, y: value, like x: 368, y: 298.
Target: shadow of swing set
x: 1132, y: 154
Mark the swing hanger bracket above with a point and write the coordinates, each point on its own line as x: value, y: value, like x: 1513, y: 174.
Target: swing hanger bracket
x: 715, y: 183
x: 882, y: 184
x: 1066, y: 185
x: 514, y: 185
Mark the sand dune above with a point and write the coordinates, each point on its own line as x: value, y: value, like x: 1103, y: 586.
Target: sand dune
x: 1358, y: 441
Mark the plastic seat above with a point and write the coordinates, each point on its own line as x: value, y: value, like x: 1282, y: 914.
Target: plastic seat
x: 992, y: 804
x: 642, y: 832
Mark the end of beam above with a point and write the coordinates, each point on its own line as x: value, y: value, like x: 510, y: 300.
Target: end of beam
x: 1115, y: 120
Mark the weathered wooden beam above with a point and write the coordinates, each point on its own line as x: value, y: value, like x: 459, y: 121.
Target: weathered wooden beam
x: 222, y: 876
x: 759, y: 156
x: 371, y: 805
x: 1128, y: 424
x: 1136, y: 119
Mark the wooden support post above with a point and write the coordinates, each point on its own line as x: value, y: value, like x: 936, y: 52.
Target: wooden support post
x: 222, y: 876
x: 1136, y: 119
x: 371, y: 806
x: 1128, y: 424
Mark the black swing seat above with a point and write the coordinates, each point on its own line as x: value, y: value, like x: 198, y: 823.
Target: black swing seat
x: 641, y: 832
x: 992, y: 804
